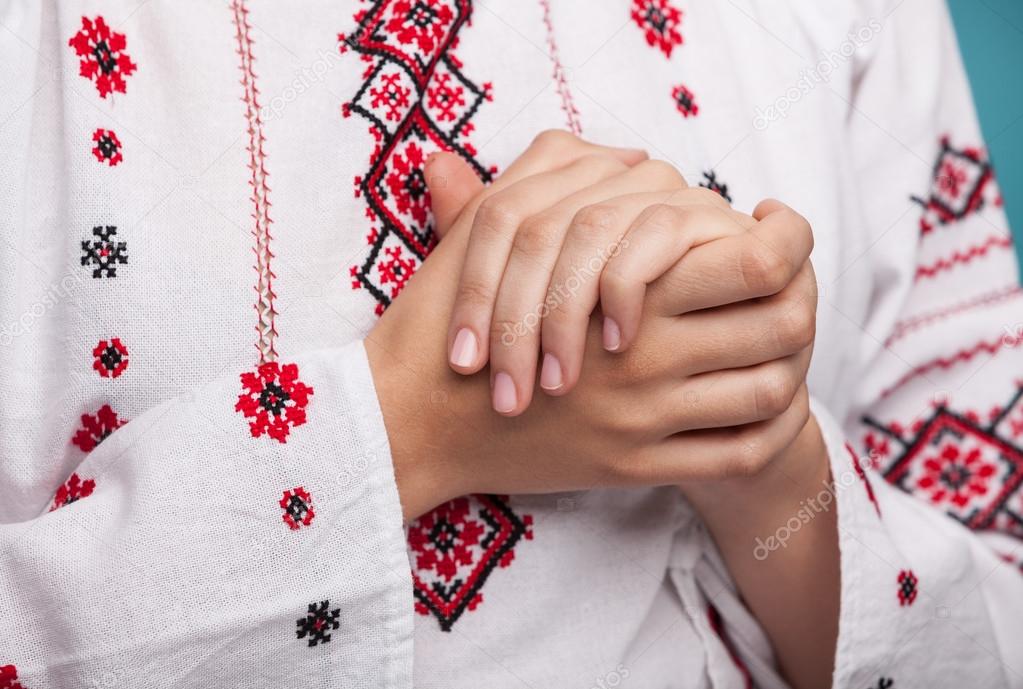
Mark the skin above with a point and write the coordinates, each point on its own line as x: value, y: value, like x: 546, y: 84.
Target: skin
x: 711, y: 307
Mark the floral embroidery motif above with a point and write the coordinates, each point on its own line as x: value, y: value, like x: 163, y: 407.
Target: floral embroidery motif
x: 101, y: 56
x: 73, y: 490
x: 660, y: 23
x: 907, y: 587
x: 685, y: 101
x: 964, y: 463
x: 9, y: 678
x: 417, y: 101
x: 962, y: 183
x: 108, y: 147
x: 275, y: 399
x: 103, y: 253
x: 96, y: 428
x: 317, y: 623
x: 298, y: 508
x: 110, y: 358
x: 456, y: 547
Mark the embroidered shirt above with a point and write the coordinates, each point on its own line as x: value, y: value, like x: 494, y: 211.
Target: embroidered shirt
x: 205, y: 206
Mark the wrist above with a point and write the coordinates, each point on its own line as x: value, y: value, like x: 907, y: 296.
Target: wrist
x: 423, y: 466
x: 799, y: 473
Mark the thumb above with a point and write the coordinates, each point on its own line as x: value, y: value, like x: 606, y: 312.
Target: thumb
x: 452, y: 183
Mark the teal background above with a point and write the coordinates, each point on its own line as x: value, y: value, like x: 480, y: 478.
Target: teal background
x: 991, y: 39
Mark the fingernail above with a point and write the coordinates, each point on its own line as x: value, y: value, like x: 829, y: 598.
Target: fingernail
x: 465, y: 349
x: 550, y: 373
x: 505, y: 398
x: 612, y: 335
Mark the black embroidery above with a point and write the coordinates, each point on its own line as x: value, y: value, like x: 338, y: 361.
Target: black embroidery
x: 710, y: 181
x: 103, y: 253
x: 317, y: 622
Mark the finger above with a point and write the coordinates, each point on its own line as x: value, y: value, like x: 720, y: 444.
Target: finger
x: 452, y: 183
x: 733, y: 397
x: 494, y: 227
x: 755, y: 264
x: 658, y: 239
x: 719, y: 454
x: 749, y: 332
x: 521, y: 298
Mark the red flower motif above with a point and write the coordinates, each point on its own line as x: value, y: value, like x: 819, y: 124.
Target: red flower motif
x: 9, y: 678
x: 395, y: 270
x: 96, y: 428
x: 275, y: 399
x: 101, y: 56
x: 391, y: 95
x: 878, y: 448
x: 445, y: 98
x: 73, y: 490
x: 660, y: 22
x: 423, y: 22
x: 298, y: 508
x: 108, y: 147
x: 907, y: 587
x: 952, y: 476
x: 110, y: 358
x: 407, y: 184
x: 685, y: 101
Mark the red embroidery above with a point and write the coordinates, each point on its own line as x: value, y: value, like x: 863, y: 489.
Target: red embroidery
x: 959, y: 257
x: 107, y: 148
x: 961, y: 184
x: 73, y: 490
x: 862, y: 474
x: 298, y: 508
x: 685, y: 101
x: 9, y: 678
x: 560, y: 80
x: 660, y: 23
x: 101, y: 56
x: 417, y: 101
x: 95, y: 429
x: 275, y: 399
x: 968, y: 468
x: 456, y: 547
x: 944, y: 363
x: 907, y: 587
x: 110, y: 358
x: 718, y: 627
x: 266, y: 312
x: 905, y: 327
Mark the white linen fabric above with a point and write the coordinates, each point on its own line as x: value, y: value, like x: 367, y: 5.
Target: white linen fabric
x: 179, y: 508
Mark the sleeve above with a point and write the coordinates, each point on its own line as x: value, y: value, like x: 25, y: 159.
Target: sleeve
x: 184, y: 552
x: 928, y: 465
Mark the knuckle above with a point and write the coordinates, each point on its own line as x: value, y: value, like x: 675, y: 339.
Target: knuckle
x: 763, y: 270
x: 708, y: 197
x: 494, y: 217
x: 537, y: 236
x: 750, y: 457
x: 772, y: 394
x: 603, y: 163
x: 663, y: 171
x: 554, y: 140
x: 664, y: 218
x: 595, y: 219
x: 797, y: 327
x: 506, y: 332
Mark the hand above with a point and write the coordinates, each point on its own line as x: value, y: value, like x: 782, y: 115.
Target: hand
x: 631, y: 413
x: 538, y: 250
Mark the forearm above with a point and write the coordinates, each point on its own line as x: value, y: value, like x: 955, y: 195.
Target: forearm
x: 793, y: 586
